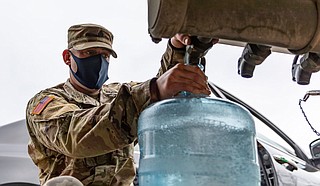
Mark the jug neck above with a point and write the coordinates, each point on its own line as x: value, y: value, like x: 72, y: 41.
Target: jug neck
x: 186, y: 94
x: 194, y: 55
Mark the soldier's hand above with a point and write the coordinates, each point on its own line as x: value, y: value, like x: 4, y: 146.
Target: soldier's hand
x: 181, y: 40
x: 182, y: 78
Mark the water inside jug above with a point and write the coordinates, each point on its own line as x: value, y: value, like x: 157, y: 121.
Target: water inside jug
x: 197, y: 141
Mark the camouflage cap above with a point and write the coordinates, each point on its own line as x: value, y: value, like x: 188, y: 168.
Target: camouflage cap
x: 85, y: 36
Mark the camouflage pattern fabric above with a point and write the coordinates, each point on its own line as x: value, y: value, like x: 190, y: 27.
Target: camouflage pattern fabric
x: 91, y: 139
x: 170, y: 58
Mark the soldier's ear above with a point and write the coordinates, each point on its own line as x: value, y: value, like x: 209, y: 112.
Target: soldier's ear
x: 66, y: 57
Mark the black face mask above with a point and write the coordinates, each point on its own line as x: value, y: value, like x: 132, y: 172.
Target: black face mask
x: 92, y: 71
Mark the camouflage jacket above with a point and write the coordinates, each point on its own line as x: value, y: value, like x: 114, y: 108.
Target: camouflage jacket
x: 89, y: 138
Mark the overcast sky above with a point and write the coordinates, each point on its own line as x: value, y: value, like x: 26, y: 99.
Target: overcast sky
x: 33, y: 36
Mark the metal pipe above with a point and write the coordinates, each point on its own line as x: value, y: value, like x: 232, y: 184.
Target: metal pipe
x: 287, y: 24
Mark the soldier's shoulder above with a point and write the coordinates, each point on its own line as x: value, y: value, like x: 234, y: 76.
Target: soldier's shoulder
x: 113, y: 87
x: 48, y: 92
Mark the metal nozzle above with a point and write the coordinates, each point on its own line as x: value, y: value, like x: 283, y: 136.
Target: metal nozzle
x: 311, y: 93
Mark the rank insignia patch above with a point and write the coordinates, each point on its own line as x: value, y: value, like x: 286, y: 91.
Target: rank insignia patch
x: 42, y: 104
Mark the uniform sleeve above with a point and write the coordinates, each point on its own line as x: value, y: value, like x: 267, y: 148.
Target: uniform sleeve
x: 64, y: 127
x: 171, y: 57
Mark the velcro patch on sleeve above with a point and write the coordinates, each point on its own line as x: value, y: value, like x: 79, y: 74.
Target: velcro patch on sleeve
x: 42, y: 104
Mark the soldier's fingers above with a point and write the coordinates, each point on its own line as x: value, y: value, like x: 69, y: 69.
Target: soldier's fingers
x: 191, y: 73
x: 180, y: 40
x: 214, y: 41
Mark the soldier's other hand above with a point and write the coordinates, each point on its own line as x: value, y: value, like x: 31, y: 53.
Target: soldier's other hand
x: 181, y: 40
x: 182, y: 78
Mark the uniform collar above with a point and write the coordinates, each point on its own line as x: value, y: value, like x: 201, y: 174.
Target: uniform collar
x: 79, y: 96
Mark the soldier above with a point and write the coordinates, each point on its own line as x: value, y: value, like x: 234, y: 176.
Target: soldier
x: 86, y: 129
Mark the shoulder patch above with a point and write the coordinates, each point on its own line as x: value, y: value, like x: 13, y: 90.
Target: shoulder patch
x: 42, y: 104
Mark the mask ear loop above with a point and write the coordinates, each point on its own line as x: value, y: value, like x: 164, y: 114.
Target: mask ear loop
x: 305, y: 98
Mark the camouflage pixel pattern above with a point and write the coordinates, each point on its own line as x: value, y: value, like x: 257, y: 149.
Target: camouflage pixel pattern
x: 91, y: 139
x: 85, y: 36
x: 170, y: 58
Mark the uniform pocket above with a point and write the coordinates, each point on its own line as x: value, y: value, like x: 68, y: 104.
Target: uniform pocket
x: 104, y: 174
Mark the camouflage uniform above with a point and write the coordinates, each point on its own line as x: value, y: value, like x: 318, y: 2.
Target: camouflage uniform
x: 91, y: 139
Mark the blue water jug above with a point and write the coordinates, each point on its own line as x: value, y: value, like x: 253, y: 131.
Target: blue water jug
x: 199, y: 141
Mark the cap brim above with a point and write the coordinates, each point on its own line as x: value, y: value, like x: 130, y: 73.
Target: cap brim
x: 95, y: 44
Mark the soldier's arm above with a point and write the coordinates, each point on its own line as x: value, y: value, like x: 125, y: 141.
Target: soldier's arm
x: 171, y: 57
x: 175, y: 51
x: 174, y: 76
x: 77, y: 132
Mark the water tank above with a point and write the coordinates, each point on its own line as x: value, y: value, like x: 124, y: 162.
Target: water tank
x: 197, y: 141
x: 288, y: 24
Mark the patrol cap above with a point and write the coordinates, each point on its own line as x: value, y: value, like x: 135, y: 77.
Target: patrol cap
x: 85, y: 36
